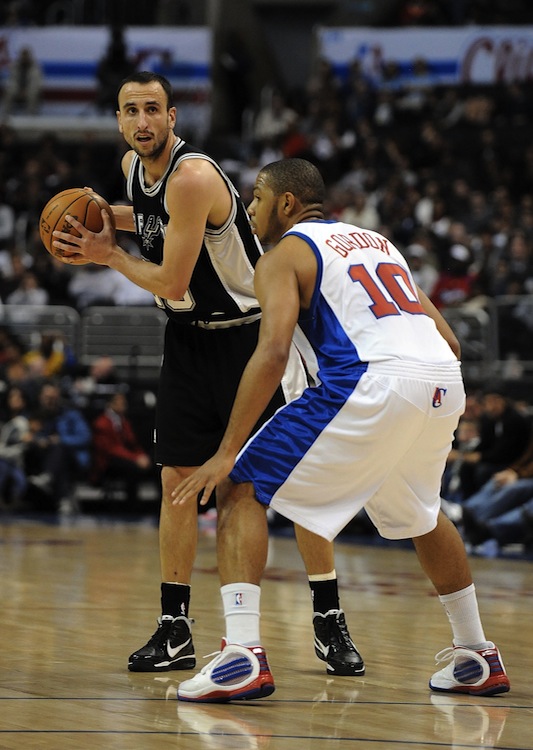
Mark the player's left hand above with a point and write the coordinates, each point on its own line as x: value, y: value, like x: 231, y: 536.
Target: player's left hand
x: 203, y: 480
x: 95, y: 247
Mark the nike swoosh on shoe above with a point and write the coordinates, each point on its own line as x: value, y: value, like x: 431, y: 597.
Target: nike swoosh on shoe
x: 173, y: 652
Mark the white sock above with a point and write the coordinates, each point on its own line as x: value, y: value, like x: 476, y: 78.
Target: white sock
x: 463, y: 614
x: 241, y: 611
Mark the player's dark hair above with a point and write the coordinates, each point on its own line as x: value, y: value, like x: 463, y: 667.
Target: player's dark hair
x: 296, y: 176
x: 146, y: 76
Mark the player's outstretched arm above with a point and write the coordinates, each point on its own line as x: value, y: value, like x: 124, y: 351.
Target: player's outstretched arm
x: 277, y: 291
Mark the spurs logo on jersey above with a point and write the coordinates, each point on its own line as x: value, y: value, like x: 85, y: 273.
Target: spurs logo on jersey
x: 149, y: 227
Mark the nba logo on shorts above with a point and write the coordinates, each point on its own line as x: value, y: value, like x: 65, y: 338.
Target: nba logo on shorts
x: 438, y: 396
x: 238, y: 600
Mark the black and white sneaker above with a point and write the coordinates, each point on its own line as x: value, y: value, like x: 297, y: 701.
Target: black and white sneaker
x: 170, y: 647
x: 334, y: 645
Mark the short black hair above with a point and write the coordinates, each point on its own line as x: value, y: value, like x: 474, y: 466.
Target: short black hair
x: 146, y: 76
x: 296, y: 176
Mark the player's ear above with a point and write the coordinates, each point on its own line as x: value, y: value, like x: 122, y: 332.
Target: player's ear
x: 172, y: 116
x: 288, y: 202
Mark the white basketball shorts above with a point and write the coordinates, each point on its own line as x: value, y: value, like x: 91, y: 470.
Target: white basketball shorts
x: 383, y: 446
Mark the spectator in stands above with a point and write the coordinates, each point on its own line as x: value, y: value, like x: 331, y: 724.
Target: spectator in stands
x: 273, y: 119
x: 58, y: 451
x: 94, y: 382
x: 466, y: 440
x: 330, y: 146
x: 52, y: 356
x: 28, y: 291
x: 423, y: 269
x: 8, y: 340
x: 504, y: 433
x: 7, y: 221
x: 506, y: 492
x: 455, y: 285
x: 417, y: 89
x: 360, y: 212
x: 14, y: 429
x: 92, y: 285
x: 97, y: 285
x: 13, y: 369
x: 13, y: 266
x: 117, y: 452
x: 236, y: 68
x: 23, y: 84
x: 53, y: 276
x: 519, y: 256
x: 511, y: 527
x: 115, y: 65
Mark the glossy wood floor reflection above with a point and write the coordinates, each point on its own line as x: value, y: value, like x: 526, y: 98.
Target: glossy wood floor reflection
x: 78, y: 597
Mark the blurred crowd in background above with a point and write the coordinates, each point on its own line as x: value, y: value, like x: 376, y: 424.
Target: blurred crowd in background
x: 445, y: 172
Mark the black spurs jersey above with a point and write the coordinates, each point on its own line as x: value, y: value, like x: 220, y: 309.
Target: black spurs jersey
x: 221, y: 287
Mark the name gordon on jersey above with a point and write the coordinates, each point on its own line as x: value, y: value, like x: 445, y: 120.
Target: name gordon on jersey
x: 343, y: 244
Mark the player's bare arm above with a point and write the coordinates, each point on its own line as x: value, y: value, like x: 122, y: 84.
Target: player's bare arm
x: 195, y: 195
x: 123, y: 218
x: 442, y: 326
x: 277, y: 291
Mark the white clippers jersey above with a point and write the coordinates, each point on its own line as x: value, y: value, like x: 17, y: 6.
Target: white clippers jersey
x: 365, y: 308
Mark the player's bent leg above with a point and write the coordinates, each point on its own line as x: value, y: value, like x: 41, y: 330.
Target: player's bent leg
x: 476, y: 669
x: 333, y: 643
x: 238, y: 671
x: 242, y: 517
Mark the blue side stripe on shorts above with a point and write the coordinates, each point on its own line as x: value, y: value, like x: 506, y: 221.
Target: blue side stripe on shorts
x: 288, y: 435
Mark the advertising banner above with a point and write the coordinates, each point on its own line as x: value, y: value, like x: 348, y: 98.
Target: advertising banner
x: 468, y: 55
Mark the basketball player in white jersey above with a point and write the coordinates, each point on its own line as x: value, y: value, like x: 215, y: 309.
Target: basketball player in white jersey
x: 375, y: 433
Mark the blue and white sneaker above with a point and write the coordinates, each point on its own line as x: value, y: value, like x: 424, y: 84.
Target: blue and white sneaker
x: 236, y: 673
x: 473, y: 672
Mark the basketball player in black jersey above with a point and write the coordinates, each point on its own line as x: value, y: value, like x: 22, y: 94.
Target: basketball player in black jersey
x: 198, y: 259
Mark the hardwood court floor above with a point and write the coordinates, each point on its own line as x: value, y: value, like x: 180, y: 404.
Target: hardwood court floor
x: 78, y: 597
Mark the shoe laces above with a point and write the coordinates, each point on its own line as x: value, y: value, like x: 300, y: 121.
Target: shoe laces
x: 339, y: 630
x: 445, y: 655
x: 161, y: 634
x: 209, y: 665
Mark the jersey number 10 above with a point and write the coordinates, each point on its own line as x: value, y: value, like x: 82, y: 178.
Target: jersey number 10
x: 395, y: 280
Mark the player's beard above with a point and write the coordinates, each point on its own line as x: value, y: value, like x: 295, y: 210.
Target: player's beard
x: 156, y: 151
x: 274, y: 229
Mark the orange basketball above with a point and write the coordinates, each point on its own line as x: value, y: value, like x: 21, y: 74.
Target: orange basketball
x: 83, y: 205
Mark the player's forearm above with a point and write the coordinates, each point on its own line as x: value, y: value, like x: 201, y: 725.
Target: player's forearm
x: 124, y: 218
x: 149, y: 276
x: 258, y: 385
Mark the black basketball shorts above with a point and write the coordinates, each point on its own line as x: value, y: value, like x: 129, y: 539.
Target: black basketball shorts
x: 200, y: 374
